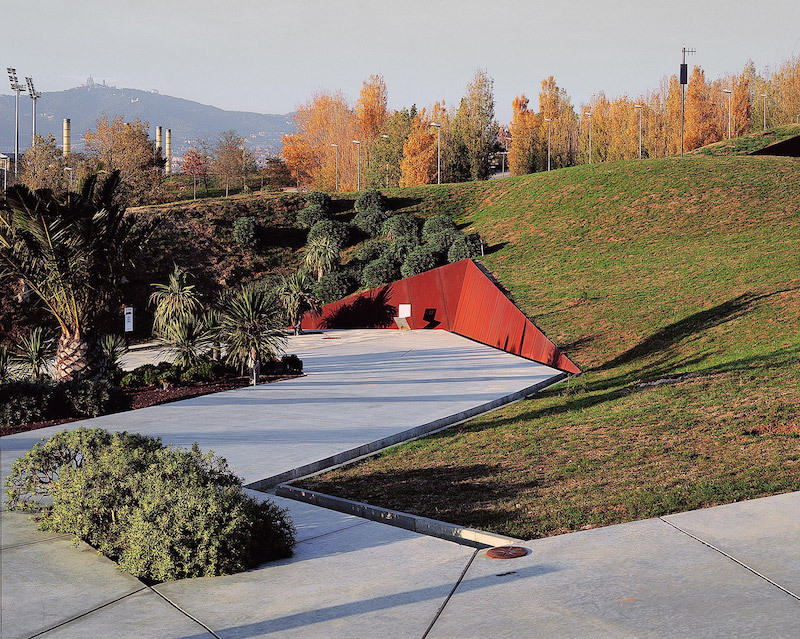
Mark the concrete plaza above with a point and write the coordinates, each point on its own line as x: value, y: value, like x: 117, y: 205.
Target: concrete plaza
x: 721, y: 572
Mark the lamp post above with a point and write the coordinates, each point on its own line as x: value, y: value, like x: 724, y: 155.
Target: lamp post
x: 69, y: 171
x: 358, y: 183
x: 730, y: 93
x: 549, y: 121
x: 336, y: 146
x: 764, y: 95
x: 589, y: 115
x: 34, y: 96
x: 639, y: 106
x: 439, y: 153
x: 386, y: 137
x: 17, y: 88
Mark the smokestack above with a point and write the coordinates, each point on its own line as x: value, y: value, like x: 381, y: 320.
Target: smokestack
x: 169, y: 152
x: 158, y: 138
x: 66, y: 136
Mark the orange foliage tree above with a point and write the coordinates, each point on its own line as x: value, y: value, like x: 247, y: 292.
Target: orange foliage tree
x: 418, y: 165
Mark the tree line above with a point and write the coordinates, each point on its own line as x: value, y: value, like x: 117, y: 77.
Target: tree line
x: 342, y: 146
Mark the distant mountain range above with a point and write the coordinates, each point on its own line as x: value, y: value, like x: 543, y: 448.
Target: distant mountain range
x: 189, y: 121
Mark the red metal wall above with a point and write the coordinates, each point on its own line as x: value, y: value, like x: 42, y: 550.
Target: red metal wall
x: 456, y: 297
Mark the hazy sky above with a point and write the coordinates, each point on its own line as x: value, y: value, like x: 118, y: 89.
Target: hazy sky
x: 268, y: 56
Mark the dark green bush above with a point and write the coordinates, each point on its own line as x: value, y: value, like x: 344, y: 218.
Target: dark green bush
x: 312, y: 214
x: 320, y: 199
x: 402, y: 225
x: 437, y: 224
x: 422, y: 258
x: 89, y: 397
x: 292, y: 364
x: 380, y: 271
x: 370, y: 250
x: 338, y: 232
x: 332, y: 286
x: 161, y: 513
x: 245, y: 231
x: 370, y: 221
x: 23, y: 402
x: 464, y: 247
x: 369, y: 200
x: 398, y: 251
x: 443, y: 240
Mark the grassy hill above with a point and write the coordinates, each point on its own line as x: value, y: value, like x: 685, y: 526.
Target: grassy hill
x: 751, y: 143
x: 675, y: 285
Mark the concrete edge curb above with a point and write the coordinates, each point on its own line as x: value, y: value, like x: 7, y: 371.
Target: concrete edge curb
x: 412, y: 433
x: 422, y: 525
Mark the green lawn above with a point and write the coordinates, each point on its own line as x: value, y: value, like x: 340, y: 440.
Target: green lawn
x: 638, y: 270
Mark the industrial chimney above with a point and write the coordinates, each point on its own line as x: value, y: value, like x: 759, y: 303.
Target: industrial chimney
x: 66, y: 136
x: 169, y: 152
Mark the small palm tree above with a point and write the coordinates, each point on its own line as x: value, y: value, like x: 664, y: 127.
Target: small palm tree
x: 34, y: 351
x: 321, y: 255
x: 250, y: 327
x: 177, y: 299
x: 297, y: 298
x: 188, y: 339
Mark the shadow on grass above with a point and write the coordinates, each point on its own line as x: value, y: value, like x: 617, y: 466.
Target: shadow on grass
x: 283, y: 236
x: 399, y: 203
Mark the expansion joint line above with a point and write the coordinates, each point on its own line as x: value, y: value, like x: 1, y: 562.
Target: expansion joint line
x: 452, y: 592
x: 182, y: 611
x: 89, y: 612
x: 732, y: 558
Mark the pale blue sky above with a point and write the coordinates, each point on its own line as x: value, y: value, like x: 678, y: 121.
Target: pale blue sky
x: 268, y: 55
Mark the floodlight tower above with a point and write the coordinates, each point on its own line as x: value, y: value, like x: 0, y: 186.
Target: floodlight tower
x: 684, y: 82
x: 17, y: 88
x: 730, y: 93
x: 34, y: 96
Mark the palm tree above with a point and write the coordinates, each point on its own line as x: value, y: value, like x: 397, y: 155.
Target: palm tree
x: 297, y: 298
x: 250, y: 327
x: 70, y: 252
x: 187, y: 338
x: 177, y: 299
x: 321, y: 255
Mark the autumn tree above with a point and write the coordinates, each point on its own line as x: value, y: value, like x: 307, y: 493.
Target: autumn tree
x: 474, y: 125
x: 554, y: 103
x: 232, y: 160
x: 700, y: 126
x: 196, y: 163
x: 387, y: 153
x: 418, y: 165
x: 126, y: 147
x: 42, y: 165
x: 371, y: 115
x: 522, y: 151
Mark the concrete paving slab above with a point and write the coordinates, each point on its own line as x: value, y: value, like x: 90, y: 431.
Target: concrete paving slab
x: 52, y: 581
x: 368, y: 580
x: 361, y: 386
x: 643, y: 579
x: 764, y: 534
x: 142, y: 615
x: 312, y: 521
x: 17, y: 529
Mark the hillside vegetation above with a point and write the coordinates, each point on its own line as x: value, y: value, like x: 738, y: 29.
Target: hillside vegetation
x: 751, y: 143
x: 675, y: 285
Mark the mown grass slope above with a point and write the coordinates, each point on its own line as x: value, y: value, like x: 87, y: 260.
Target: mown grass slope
x: 750, y: 143
x: 681, y: 272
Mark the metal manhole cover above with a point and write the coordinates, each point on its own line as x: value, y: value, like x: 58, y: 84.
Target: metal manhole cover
x: 506, y: 552
x: 330, y: 338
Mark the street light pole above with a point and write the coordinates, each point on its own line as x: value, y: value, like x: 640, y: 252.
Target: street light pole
x: 684, y: 81
x: 439, y: 154
x: 764, y: 95
x: 34, y: 96
x: 589, y: 115
x: 358, y: 183
x: 336, y: 146
x: 640, y: 106
x: 730, y: 93
x: 17, y: 88
x: 548, y: 120
x: 386, y: 137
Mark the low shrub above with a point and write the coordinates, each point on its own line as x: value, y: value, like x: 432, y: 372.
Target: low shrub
x: 312, y: 214
x: 380, y: 271
x: 370, y: 250
x: 332, y: 286
x: 423, y: 258
x: 338, y: 232
x: 292, y: 364
x: 320, y: 199
x: 402, y: 225
x: 466, y: 246
x: 161, y: 513
x: 398, y: 251
x: 370, y: 221
x: 443, y: 240
x: 369, y: 200
x: 89, y: 397
x: 22, y: 402
x: 245, y: 231
x: 437, y: 224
